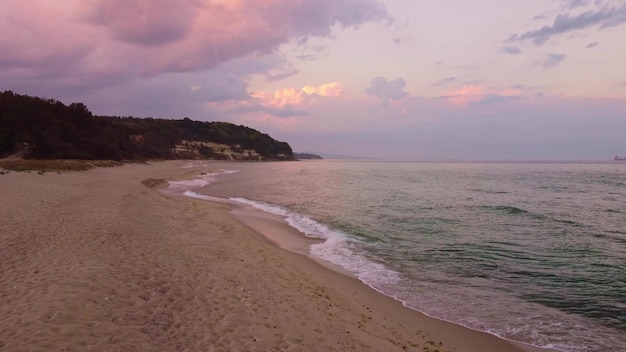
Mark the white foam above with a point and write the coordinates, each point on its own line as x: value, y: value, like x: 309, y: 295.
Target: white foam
x: 268, y: 208
x: 337, y: 247
x: 304, y: 224
x: 192, y: 164
x: 337, y: 250
x: 198, y: 182
x: 181, y: 186
x: 192, y: 194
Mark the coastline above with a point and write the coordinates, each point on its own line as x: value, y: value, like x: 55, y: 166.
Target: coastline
x: 97, y: 260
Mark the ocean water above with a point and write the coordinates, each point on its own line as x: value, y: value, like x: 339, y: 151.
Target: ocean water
x: 531, y: 252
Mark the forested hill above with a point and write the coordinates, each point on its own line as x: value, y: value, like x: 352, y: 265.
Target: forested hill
x: 48, y: 129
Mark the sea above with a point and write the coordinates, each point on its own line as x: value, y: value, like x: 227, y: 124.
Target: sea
x: 533, y: 252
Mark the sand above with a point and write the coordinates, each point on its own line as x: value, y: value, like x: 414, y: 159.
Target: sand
x: 99, y: 261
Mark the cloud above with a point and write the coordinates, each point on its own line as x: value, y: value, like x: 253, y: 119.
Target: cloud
x: 281, y: 97
x: 39, y: 40
x: 143, y: 22
x: 273, y: 76
x: 553, y: 60
x: 491, y: 98
x: 286, y: 98
x: 386, y: 90
x: 332, y: 89
x: 171, y: 95
x: 479, y: 95
x: 465, y: 95
x: 306, y: 57
x: 572, y: 4
x: 444, y: 81
x: 511, y: 50
x: 98, y: 40
x: 563, y: 23
x: 523, y: 87
x: 156, y: 58
x: 239, y: 107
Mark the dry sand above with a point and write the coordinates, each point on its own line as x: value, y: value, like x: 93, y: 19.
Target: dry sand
x: 98, y: 261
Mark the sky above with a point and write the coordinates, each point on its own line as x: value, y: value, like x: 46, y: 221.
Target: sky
x: 392, y: 79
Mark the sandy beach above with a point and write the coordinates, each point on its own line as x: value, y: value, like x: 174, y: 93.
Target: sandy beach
x: 99, y: 261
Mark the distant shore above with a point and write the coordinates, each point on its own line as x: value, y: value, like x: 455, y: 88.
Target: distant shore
x: 101, y: 260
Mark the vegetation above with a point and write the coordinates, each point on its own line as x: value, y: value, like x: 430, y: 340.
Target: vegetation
x: 48, y: 129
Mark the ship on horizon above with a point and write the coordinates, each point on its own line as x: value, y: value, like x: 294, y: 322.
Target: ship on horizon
x: 620, y: 158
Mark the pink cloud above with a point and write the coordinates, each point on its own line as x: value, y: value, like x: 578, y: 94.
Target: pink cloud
x: 149, y: 37
x: 281, y: 97
x: 332, y: 89
x: 465, y: 94
x: 286, y: 108
x: 475, y: 95
x: 39, y: 34
x: 291, y: 96
x: 142, y: 22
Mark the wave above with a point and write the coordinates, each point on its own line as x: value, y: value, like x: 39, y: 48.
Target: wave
x: 338, y: 247
x: 198, y: 182
x: 506, y: 209
x: 192, y: 194
x: 205, y: 179
x: 369, y: 243
x: 487, y: 191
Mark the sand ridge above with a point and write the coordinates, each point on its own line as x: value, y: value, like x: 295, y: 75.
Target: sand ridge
x: 98, y: 261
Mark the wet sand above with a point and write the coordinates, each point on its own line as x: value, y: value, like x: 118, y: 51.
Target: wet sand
x: 99, y: 261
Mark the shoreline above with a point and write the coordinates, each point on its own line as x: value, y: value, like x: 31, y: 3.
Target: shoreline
x: 97, y: 260
x: 465, y: 339
x: 276, y: 230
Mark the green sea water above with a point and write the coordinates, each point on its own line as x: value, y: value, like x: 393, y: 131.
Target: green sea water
x: 532, y: 252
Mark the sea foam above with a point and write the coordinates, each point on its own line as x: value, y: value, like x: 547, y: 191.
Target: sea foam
x: 182, y: 186
x: 337, y: 247
x: 527, y: 252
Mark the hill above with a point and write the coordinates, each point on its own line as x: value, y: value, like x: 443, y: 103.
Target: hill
x: 47, y: 129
